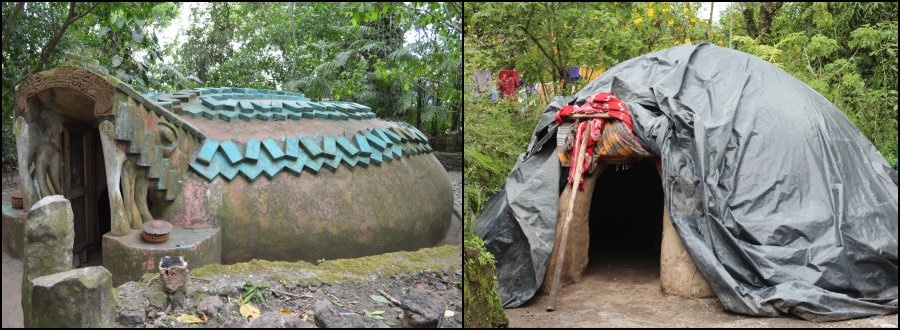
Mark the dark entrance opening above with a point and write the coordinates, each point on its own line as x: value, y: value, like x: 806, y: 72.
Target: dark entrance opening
x: 626, y: 218
x: 84, y: 170
x: 81, y: 165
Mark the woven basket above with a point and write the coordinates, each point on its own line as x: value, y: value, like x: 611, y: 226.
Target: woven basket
x: 155, y: 238
x: 16, y: 200
x: 156, y: 231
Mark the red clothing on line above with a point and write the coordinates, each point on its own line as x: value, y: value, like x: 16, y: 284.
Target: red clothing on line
x: 509, y: 83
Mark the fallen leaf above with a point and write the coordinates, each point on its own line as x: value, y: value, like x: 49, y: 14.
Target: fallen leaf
x: 203, y: 317
x: 375, y: 315
x: 285, y: 311
x: 188, y: 318
x: 249, y: 312
x: 379, y: 298
x: 305, y: 317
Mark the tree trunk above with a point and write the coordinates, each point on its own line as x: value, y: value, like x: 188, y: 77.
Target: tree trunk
x: 457, y: 115
x: 11, y: 24
x: 419, y: 110
x: 709, y: 32
x: 750, y: 20
x: 766, y: 12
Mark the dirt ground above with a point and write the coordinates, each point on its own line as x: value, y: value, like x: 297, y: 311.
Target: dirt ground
x: 12, y: 272
x: 355, y: 296
x: 623, y: 291
x: 12, y: 292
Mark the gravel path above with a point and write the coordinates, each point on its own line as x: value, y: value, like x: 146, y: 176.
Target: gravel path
x: 12, y: 292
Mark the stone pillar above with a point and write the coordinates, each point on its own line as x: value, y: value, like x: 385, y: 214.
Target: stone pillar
x: 79, y: 298
x: 678, y: 275
x: 23, y: 151
x: 578, y: 242
x: 49, y: 237
x: 113, y: 160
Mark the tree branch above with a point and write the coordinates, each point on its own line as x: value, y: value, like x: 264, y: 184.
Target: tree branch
x: 536, y: 42
x: 444, y: 22
x: 10, y: 25
x: 50, y: 47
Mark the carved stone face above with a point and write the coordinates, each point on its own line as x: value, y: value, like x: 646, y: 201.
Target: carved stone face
x: 168, y: 137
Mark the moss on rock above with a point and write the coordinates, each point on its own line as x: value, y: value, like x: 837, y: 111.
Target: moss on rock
x: 305, y: 273
x: 481, y: 304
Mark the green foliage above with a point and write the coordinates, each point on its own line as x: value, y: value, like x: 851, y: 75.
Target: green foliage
x: 380, y: 298
x: 377, y: 315
x: 120, y: 36
x: 541, y: 39
x: 336, y: 51
x: 254, y: 292
x: 481, y: 305
x: 497, y: 133
x: 846, y: 51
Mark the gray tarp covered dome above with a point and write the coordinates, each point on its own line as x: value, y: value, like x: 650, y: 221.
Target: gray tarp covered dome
x: 783, y: 204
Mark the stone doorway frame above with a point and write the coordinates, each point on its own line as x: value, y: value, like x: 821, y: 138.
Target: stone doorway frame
x: 31, y: 131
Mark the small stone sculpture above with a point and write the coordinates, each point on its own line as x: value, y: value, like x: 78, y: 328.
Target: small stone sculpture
x: 173, y: 273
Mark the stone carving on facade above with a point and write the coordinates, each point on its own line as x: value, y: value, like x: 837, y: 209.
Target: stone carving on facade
x: 84, y: 81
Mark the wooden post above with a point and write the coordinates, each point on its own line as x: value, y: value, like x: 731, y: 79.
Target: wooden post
x: 560, y: 257
x: 709, y: 32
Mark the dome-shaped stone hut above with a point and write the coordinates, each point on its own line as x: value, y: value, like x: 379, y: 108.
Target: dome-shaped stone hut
x: 241, y: 173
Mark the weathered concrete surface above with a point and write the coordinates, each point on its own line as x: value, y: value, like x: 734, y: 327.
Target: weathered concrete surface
x: 678, y: 273
x: 129, y: 257
x: 23, y: 152
x: 455, y: 232
x: 79, y: 298
x: 49, y: 236
x: 405, y: 204
x: 113, y: 159
x: 13, y: 229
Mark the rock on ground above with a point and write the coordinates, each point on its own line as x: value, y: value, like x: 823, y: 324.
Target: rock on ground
x: 421, y: 309
x: 210, y: 306
x: 79, y: 298
x: 329, y: 316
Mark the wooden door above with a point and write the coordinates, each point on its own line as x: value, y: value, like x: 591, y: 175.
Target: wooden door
x: 77, y: 177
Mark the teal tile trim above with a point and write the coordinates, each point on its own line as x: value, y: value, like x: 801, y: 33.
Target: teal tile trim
x: 293, y: 154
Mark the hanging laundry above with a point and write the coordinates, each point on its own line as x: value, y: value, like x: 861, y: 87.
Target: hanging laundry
x: 573, y: 74
x: 509, y: 82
